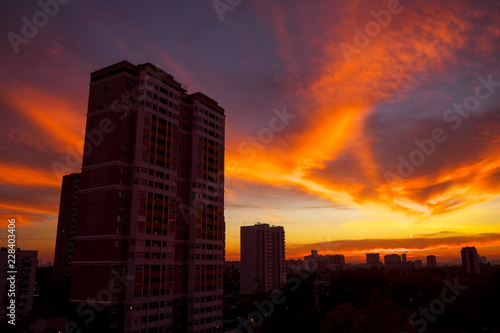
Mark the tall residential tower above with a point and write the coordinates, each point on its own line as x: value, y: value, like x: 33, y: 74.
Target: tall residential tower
x: 149, y: 239
x: 263, y: 264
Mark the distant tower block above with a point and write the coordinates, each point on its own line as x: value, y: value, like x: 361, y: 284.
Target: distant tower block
x: 263, y: 264
x: 431, y: 261
x: 373, y: 258
x: 470, y: 259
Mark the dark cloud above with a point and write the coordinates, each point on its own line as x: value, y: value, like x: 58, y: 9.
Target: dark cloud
x: 416, y: 243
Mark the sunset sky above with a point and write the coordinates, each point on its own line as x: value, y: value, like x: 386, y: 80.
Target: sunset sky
x: 356, y: 135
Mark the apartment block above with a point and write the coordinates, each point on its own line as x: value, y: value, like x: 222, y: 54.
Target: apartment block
x: 470, y: 259
x: 149, y: 238
x: 431, y: 261
x: 66, y: 224
x: 392, y: 259
x: 373, y: 259
x: 263, y: 264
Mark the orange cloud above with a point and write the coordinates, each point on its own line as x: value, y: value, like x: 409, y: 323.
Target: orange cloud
x: 26, y: 176
x: 56, y: 117
x: 326, y: 149
x: 32, y: 210
x: 406, y: 55
x: 24, y: 218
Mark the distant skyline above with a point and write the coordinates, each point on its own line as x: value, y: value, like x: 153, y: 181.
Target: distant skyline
x: 355, y: 140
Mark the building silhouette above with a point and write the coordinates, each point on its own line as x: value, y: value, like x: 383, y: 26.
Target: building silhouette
x: 263, y: 263
x: 373, y: 259
x: 431, y: 261
x: 24, y: 282
x: 149, y: 239
x: 232, y: 265
x: 392, y: 259
x: 294, y: 265
x: 65, y: 238
x: 470, y: 259
x: 321, y: 263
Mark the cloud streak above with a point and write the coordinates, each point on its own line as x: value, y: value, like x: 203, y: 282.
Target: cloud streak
x: 415, y: 245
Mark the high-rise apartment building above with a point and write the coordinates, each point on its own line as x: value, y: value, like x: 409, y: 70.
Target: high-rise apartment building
x: 470, y: 259
x: 21, y: 287
x: 149, y: 241
x: 263, y: 264
x: 65, y: 239
x: 431, y: 261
